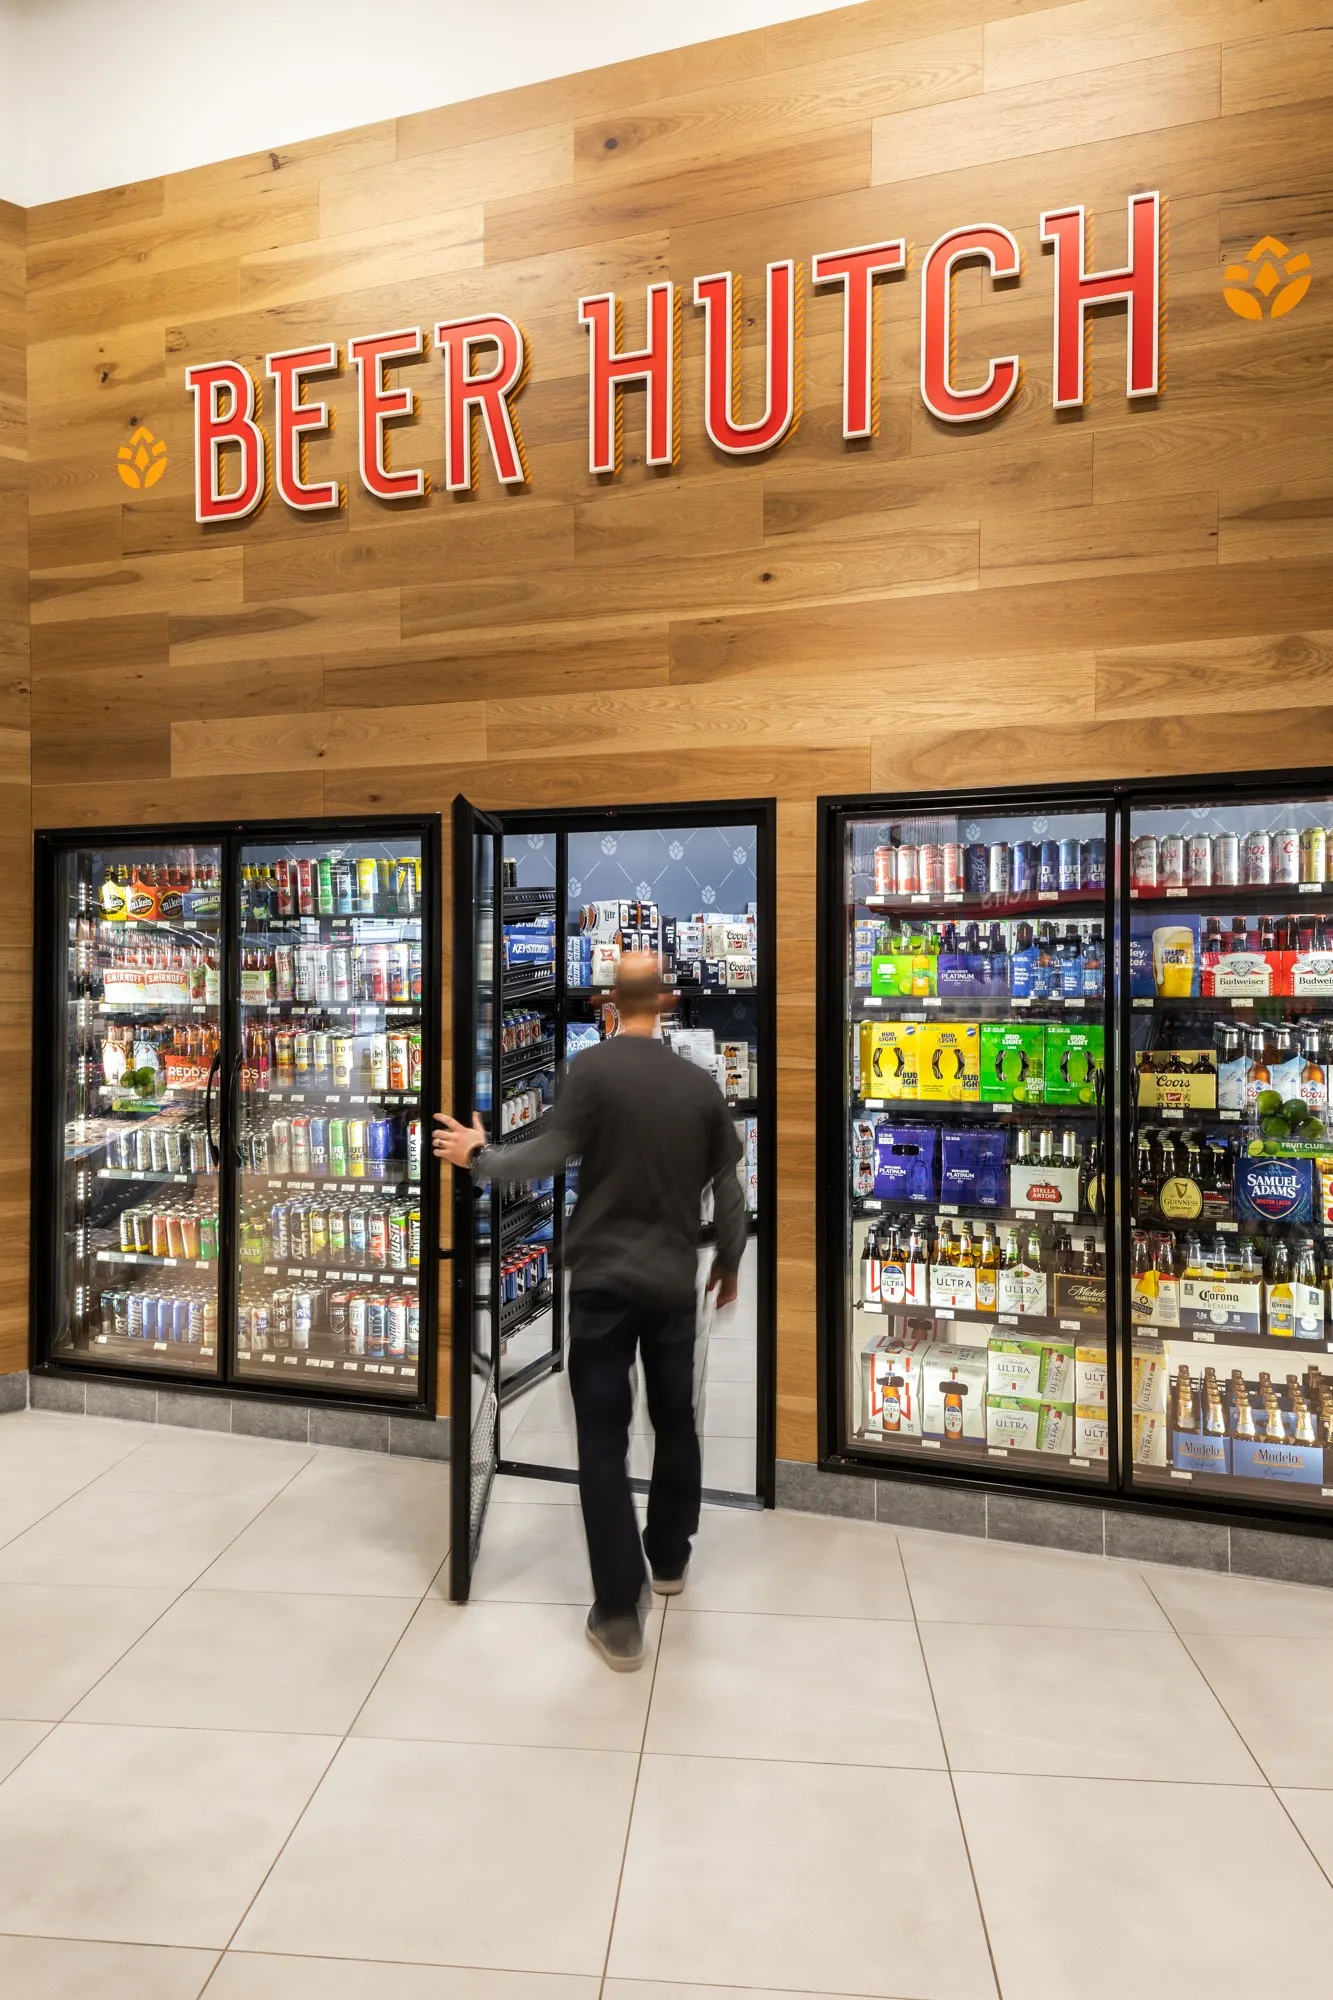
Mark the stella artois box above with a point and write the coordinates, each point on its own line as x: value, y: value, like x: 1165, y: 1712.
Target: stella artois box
x: 1043, y: 1184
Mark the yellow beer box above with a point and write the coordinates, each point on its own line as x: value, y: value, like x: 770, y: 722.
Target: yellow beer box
x: 949, y: 1062
x: 1177, y: 1079
x: 889, y: 1058
x: 1091, y: 1431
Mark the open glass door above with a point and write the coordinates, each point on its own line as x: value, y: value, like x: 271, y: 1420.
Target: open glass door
x: 475, y: 1362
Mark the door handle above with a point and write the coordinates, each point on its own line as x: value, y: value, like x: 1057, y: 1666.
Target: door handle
x: 233, y: 1109
x: 214, y: 1149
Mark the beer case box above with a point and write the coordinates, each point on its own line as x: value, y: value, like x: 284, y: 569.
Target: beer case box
x: 949, y: 1062
x: 953, y: 1290
x: 1079, y: 1296
x: 1021, y: 1290
x: 1057, y: 1371
x: 969, y: 975
x: 1055, y: 1428
x: 1195, y: 1451
x: 903, y: 975
x: 1269, y: 1189
x: 953, y: 1392
x: 1285, y: 1463
x: 1073, y: 1057
x: 973, y: 1168
x: 1013, y: 1062
x: 1092, y: 1431
x: 1044, y: 1186
x: 1294, y: 1312
x: 1163, y: 1088
x: 1013, y: 1368
x: 889, y: 1059
x: 603, y: 964
x: 1148, y: 1376
x: 1013, y: 1421
x: 1242, y: 975
x: 1213, y: 1305
x: 1090, y: 1378
x: 1148, y: 1437
x: 740, y: 968
x: 1308, y: 972
x: 884, y: 1356
x: 906, y: 1161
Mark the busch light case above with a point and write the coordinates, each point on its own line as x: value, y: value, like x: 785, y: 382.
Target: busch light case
x: 1270, y: 1189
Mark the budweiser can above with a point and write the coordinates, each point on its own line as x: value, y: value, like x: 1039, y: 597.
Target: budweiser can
x: 1314, y: 854
x: 1171, y: 861
x: 886, y: 871
x: 1287, y: 855
x: 1226, y: 860
x: 1143, y: 862
x: 909, y: 871
x: 1257, y: 859
x: 1199, y: 861
x: 953, y: 864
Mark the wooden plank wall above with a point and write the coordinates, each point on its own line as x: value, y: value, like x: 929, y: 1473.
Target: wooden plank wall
x: 15, y: 804
x: 1117, y: 590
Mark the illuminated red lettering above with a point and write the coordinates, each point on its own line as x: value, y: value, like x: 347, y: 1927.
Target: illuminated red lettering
x: 952, y: 405
x: 856, y: 271
x: 293, y: 421
x: 1138, y: 285
x: 487, y: 393
x: 611, y: 366
x: 379, y: 406
x: 226, y: 404
x: 720, y: 298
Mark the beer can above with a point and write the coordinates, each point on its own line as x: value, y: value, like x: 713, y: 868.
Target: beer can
x: 356, y: 1148
x: 998, y: 870
x: 208, y: 1237
x: 175, y: 1234
x: 367, y: 876
x: 1171, y: 861
x: 284, y: 873
x: 1071, y: 864
x: 208, y: 1308
x: 279, y: 1234
x: 909, y: 871
x: 305, y: 888
x: 338, y: 1305
x: 128, y: 1237
x: 319, y: 1145
x: 975, y: 868
x: 377, y: 1062
x: 886, y: 871
x: 395, y: 1330
x: 378, y: 960
x: 134, y: 1305
x: 1093, y: 863
x: 379, y: 1147
x: 414, y: 1239
x: 1257, y: 859
x: 863, y: 1139
x: 302, y: 1315
x: 400, y: 981
x: 414, y: 970
x: 337, y: 1233
x: 261, y: 1151
x: 1287, y: 855
x: 340, y: 973
x: 1023, y: 868
x: 1199, y: 862
x: 152, y: 1317
x: 343, y: 1060
x: 930, y: 858
x: 284, y: 1056
x: 1226, y: 860
x: 398, y: 1061
x: 259, y: 1326
x: 298, y: 1240
x: 321, y: 1054
x: 190, y: 1234
x: 356, y: 1323
x: 954, y: 877
x: 280, y: 1133
x: 280, y: 1317
x: 324, y: 885
x: 120, y: 1150
x: 157, y: 1157
x: 398, y: 1238
x: 344, y: 889
x: 356, y: 1237
x: 1143, y: 861
x: 414, y: 1149
x: 405, y: 887
x: 300, y: 1131
x: 321, y: 977
x: 180, y: 1318
x: 301, y: 1052
x: 284, y: 972
x: 317, y: 1234
x: 158, y: 1241
x: 143, y: 1231
x: 414, y: 1061
x: 375, y: 1329
x: 377, y: 1239
x: 1314, y: 854
x: 413, y: 1325
x: 143, y: 1150
x: 1048, y: 867
x: 338, y: 1148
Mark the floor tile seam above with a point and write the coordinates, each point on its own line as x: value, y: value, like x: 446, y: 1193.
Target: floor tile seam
x: 953, y: 1786
x: 794, y: 1763
x: 47, y: 1729
x: 199, y: 1575
x: 1240, y: 1733
x: 634, y: 1797
x: 182, y: 1592
x: 1297, y: 1827
x: 88, y: 1484
x: 389, y: 1657
x: 1040, y: 1625
x: 717, y: 1610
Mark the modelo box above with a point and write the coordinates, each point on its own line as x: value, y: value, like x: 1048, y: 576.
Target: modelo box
x: 1287, y: 1463
x: 953, y: 1393
x: 1215, y: 1305
x: 889, y: 1059
x: 1268, y: 1189
x: 1079, y: 1296
x: 1199, y: 1451
x: 1177, y: 1079
x: 949, y: 1061
x: 1013, y: 1062
x: 1073, y: 1058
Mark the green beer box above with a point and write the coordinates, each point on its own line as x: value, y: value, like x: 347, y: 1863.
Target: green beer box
x: 1073, y: 1055
x: 903, y: 975
x: 1013, y: 1062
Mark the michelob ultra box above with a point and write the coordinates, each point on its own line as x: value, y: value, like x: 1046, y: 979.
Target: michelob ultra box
x: 1073, y: 1057
x: 1148, y: 1437
x: 953, y: 1392
x: 1013, y: 1062
x: 889, y: 1059
x: 1090, y: 1378
x: 1020, y: 1289
x: 1148, y: 1375
x: 953, y: 1288
x: 949, y: 1061
x: 1021, y: 1424
x: 1092, y: 1431
x: 1014, y: 1368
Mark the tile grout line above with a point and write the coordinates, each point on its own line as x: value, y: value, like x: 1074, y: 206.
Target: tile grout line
x: 634, y: 1796
x: 948, y: 1766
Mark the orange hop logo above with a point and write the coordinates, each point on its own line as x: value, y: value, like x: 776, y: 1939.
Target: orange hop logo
x: 143, y: 460
x: 1270, y: 281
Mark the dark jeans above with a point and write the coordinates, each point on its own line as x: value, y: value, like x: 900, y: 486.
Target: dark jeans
x: 605, y: 1332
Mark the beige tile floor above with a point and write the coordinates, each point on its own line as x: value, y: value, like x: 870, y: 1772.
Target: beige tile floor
x: 248, y: 1749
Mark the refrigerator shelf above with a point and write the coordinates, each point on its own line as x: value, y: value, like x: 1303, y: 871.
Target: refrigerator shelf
x: 361, y: 1277
x: 525, y: 985
x: 307, y: 1182
x: 1265, y: 1343
x: 337, y: 1096
x: 1277, y: 899
x: 982, y: 1007
x: 123, y: 1347
x: 516, y: 1313
x: 150, y: 1005
x: 111, y: 926
x: 1007, y: 1325
x: 974, y: 1450
x: 151, y: 1174
x: 994, y: 908
x: 335, y: 1364
x: 397, y: 1010
x: 522, y: 1062
x: 926, y: 1108
x: 524, y: 1131
x: 683, y: 992
x: 159, y: 1263
x: 527, y: 1215
x: 1184, y: 1115
x: 867, y: 1205
x: 1210, y: 1003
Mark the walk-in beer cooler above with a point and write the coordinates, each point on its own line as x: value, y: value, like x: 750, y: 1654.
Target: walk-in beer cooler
x: 234, y: 1075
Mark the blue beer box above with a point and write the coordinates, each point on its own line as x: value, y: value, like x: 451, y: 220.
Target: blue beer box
x: 1193, y: 1451
x: 905, y: 1161
x: 966, y: 975
x: 1289, y: 1464
x: 1274, y: 1190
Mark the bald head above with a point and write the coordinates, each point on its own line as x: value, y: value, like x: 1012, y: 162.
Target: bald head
x: 638, y: 991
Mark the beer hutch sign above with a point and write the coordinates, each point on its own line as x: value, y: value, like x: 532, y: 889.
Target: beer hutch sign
x: 486, y: 361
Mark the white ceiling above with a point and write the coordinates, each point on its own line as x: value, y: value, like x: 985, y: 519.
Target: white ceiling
x: 97, y: 92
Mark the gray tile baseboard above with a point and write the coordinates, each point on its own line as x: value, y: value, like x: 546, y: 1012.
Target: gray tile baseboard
x: 315, y: 1423
x: 1239, y: 1549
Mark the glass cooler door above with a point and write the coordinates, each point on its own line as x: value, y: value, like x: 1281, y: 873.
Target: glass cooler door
x: 325, y: 1095
x: 975, y: 1281
x: 1228, y: 1159
x: 138, y: 1039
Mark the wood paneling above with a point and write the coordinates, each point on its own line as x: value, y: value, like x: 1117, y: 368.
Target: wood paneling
x: 15, y: 807
x: 1125, y: 589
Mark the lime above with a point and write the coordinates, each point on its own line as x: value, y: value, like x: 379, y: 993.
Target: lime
x: 1020, y: 1093
x: 1296, y: 1111
x: 1273, y: 1128
x: 1268, y: 1103
x: 1254, y: 1148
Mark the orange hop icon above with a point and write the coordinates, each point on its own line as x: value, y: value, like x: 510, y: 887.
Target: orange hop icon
x: 1270, y: 281
x: 143, y: 460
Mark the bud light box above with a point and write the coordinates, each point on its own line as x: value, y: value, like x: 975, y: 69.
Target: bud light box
x: 1274, y: 1190
x: 905, y: 1161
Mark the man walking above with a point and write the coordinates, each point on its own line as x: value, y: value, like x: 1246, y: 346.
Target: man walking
x: 650, y: 1131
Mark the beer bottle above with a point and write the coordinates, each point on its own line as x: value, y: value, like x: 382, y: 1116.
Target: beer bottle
x: 1314, y: 1079
x: 1092, y: 1191
x: 1219, y: 1260
x: 1032, y: 1257
x: 871, y: 1292
x: 1010, y: 1259
x: 917, y: 1271
x: 1243, y: 1423
x: 987, y: 1272
x: 1214, y: 1416
x: 1257, y: 1074
x: 942, y: 1248
x: 1193, y: 1257
x: 1046, y: 1146
x: 965, y: 1253
x: 1145, y: 1181
x: 1186, y: 1415
x: 1088, y: 1260
x: 1305, y: 1432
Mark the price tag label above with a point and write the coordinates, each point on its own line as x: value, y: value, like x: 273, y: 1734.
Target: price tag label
x: 1020, y: 1000
x: 1200, y: 1334
x: 918, y: 899
x: 947, y: 1208
x: 933, y: 1000
x: 998, y: 1450
x: 1025, y: 1214
x: 171, y: 1261
x: 1186, y: 1476
x: 942, y: 1312
x: 1167, y: 1112
x: 1177, y: 893
x: 1069, y: 1326
x: 1230, y: 1228
x: 930, y: 1444
x: 1074, y: 1001
x: 1048, y: 895
x: 1006, y: 1319
x: 1081, y: 1463
x: 874, y: 1000
x: 1309, y: 888
x: 951, y: 897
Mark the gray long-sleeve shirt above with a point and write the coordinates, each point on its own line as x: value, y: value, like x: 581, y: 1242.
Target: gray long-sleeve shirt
x: 650, y: 1131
